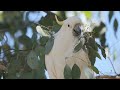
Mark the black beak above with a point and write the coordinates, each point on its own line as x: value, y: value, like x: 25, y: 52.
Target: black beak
x: 77, y: 30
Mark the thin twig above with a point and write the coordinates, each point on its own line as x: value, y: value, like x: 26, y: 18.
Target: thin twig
x: 112, y: 65
x: 16, y: 50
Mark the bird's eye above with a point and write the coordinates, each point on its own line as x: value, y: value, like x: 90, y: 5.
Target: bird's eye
x: 68, y: 25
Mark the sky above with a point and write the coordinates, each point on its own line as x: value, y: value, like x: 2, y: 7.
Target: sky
x: 103, y: 65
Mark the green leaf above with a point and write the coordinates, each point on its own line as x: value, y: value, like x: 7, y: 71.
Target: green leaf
x: 43, y: 40
x: 48, y: 19
x: 103, y: 40
x: 34, y: 37
x: 75, y: 72
x: 67, y: 72
x: 26, y: 75
x: 25, y: 40
x: 95, y: 69
x: 1, y: 37
x: 96, y: 53
x: 32, y: 60
x: 115, y: 26
x: 92, y: 55
x: 49, y: 45
x: 97, y: 30
x: 79, y: 46
x: 110, y: 15
x: 38, y: 74
x: 40, y: 50
x: 91, y: 42
x: 102, y: 50
x: 56, y: 27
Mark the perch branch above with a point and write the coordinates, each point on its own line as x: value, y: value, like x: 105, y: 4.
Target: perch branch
x: 107, y: 77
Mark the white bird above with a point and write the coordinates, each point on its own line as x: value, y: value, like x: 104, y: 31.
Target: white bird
x: 62, y: 53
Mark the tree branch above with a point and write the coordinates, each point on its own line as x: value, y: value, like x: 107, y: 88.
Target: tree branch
x: 107, y: 77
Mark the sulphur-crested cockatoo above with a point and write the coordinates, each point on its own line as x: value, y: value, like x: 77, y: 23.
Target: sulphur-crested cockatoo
x: 62, y: 52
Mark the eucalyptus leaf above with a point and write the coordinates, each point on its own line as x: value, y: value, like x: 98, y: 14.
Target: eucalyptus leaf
x: 41, y: 31
x: 49, y: 45
x: 32, y: 60
x: 67, y: 72
x: 56, y: 27
x: 110, y: 15
x: 96, y: 53
x: 43, y: 40
x: 25, y: 40
x: 39, y: 74
x: 80, y: 45
x: 34, y: 37
x: 92, y: 54
x: 26, y: 75
x: 91, y: 42
x: 95, y: 69
x: 115, y: 26
x: 40, y: 50
x: 1, y: 37
x: 76, y: 72
x: 97, y: 30
x: 102, y: 50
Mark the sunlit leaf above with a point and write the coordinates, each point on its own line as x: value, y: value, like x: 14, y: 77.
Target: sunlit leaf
x: 41, y: 31
x: 1, y: 16
x: 76, y: 72
x: 67, y: 72
x: 95, y: 69
x: 49, y: 45
x: 88, y: 14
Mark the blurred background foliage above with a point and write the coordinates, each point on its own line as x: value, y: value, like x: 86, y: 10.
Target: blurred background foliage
x: 22, y: 50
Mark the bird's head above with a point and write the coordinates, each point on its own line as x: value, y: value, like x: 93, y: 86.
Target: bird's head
x: 69, y: 33
x: 71, y: 26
